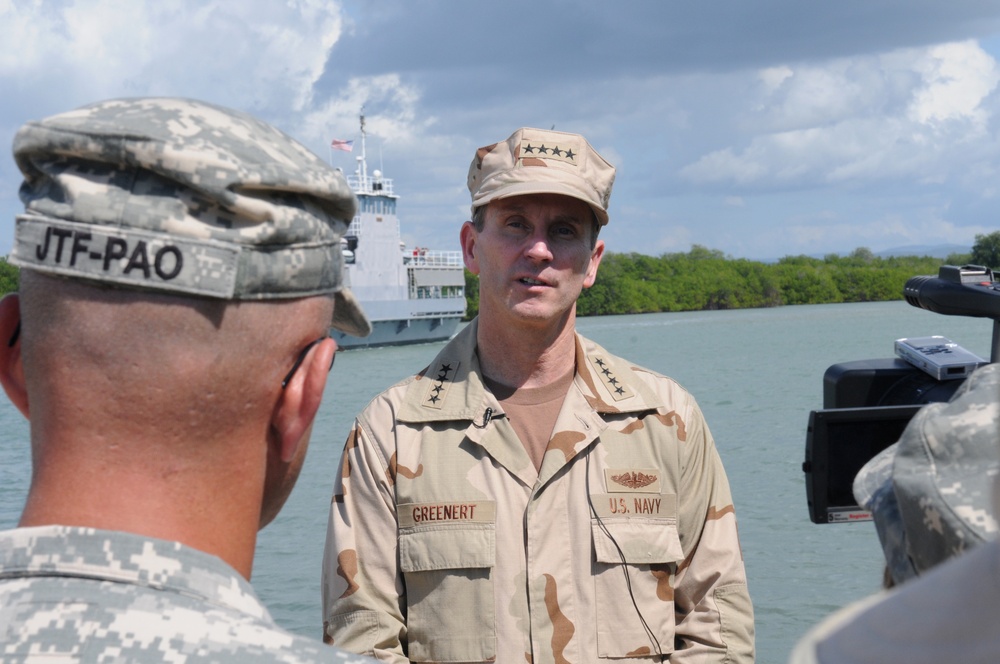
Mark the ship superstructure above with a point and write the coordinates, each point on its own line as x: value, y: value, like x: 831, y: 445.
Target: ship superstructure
x: 411, y: 295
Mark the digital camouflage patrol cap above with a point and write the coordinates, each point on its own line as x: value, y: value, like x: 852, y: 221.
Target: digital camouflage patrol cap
x: 536, y: 161
x: 181, y: 196
x: 932, y: 494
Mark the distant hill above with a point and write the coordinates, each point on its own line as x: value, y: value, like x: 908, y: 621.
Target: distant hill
x: 941, y: 251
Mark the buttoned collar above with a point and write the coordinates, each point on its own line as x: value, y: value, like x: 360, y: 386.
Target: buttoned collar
x: 451, y: 387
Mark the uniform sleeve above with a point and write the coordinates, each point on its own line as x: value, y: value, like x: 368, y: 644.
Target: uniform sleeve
x: 363, y: 591
x: 715, y: 621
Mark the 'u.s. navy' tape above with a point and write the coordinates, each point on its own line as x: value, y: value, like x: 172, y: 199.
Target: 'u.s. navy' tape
x: 131, y: 257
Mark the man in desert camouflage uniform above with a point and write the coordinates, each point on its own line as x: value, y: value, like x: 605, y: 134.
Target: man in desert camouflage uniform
x: 530, y: 496
x: 933, y: 497
x: 169, y: 345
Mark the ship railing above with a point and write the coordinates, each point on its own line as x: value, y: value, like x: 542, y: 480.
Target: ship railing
x: 366, y: 184
x: 453, y: 313
x: 419, y: 257
x: 437, y: 292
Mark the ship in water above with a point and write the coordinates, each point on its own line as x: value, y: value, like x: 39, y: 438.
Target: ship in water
x: 411, y: 295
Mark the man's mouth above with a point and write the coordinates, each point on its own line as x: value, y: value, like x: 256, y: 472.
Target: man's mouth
x: 531, y: 282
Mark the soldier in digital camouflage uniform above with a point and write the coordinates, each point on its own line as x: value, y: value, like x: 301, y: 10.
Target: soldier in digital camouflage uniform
x: 169, y: 345
x: 530, y: 496
x: 933, y: 499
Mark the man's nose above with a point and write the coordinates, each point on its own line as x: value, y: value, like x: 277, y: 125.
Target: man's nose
x: 538, y: 249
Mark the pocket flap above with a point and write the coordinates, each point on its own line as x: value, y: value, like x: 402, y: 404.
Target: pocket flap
x: 642, y: 541
x: 448, y: 547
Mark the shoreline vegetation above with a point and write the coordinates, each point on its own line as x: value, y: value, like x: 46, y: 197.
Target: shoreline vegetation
x: 10, y: 277
x: 706, y: 279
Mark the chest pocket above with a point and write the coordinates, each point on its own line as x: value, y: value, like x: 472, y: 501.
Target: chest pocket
x: 648, y: 550
x: 448, y: 571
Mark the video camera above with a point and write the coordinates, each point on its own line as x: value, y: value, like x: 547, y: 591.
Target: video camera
x: 868, y: 403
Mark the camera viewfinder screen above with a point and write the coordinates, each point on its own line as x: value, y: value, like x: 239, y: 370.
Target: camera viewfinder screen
x: 839, y: 442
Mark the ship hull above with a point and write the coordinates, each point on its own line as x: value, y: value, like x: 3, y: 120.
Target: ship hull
x: 401, y: 332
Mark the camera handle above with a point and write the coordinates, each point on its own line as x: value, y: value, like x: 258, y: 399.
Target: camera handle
x: 968, y: 290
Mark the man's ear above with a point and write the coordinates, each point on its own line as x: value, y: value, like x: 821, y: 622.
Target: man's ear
x: 300, y: 399
x: 595, y: 261
x: 468, y: 237
x: 11, y: 367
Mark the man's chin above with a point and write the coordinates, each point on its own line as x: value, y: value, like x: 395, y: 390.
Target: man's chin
x: 539, y: 314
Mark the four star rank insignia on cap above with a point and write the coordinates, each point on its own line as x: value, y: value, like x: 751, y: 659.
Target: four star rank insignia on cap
x: 567, y: 151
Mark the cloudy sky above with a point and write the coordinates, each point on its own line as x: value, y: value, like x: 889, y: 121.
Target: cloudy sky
x: 761, y: 129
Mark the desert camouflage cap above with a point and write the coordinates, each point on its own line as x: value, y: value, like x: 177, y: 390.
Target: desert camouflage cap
x: 537, y: 161
x: 183, y: 196
x: 932, y: 493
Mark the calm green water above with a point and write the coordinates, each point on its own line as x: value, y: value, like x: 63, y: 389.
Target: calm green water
x: 756, y: 373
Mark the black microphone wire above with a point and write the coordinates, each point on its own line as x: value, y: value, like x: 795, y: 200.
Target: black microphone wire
x: 624, y: 564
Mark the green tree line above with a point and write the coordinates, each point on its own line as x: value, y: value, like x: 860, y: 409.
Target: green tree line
x: 10, y: 277
x: 705, y: 279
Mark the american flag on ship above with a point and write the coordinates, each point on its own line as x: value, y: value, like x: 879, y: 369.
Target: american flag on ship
x: 338, y: 144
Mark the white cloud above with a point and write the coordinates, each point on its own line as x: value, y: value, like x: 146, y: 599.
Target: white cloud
x: 260, y: 56
x: 956, y: 80
x: 912, y: 114
x: 390, y: 111
x: 257, y: 55
x: 812, y: 95
x: 773, y: 77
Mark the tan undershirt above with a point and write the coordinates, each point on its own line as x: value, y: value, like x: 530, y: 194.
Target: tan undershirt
x: 533, y: 412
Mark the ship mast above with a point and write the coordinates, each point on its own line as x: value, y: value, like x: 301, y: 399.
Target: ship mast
x: 363, y: 184
x: 362, y: 172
